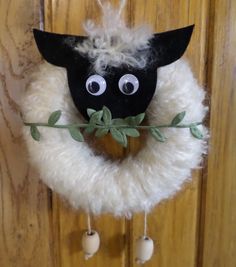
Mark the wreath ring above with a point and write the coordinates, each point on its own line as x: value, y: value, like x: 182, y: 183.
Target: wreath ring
x: 98, y: 185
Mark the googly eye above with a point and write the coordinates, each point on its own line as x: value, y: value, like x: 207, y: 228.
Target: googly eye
x: 96, y: 85
x: 129, y: 84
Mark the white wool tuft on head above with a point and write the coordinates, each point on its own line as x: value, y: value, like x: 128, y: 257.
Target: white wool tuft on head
x: 114, y: 44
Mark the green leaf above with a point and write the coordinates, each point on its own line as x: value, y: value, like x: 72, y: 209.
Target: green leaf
x: 106, y: 116
x: 178, y: 118
x: 35, y: 133
x: 125, y: 143
x: 119, y: 122
x: 155, y: 132
x: 135, y: 120
x: 76, y: 134
x: 89, y: 129
x: 139, y: 118
x: 131, y: 132
x: 131, y: 121
x: 54, y: 117
x: 196, y: 132
x: 101, y: 132
x: 96, y: 117
x: 119, y: 137
x: 90, y: 111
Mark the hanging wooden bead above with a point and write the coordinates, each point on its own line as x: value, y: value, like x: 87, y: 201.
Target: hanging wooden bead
x: 90, y: 243
x: 144, y: 249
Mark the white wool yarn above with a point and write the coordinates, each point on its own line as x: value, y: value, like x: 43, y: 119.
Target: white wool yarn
x: 97, y: 185
x: 114, y: 44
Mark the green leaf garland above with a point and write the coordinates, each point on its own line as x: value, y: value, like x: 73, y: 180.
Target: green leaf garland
x: 102, y: 123
x: 34, y: 132
x: 156, y: 133
x: 196, y: 132
x: 101, y: 132
x: 90, y: 111
x: 178, y: 118
x: 107, y: 117
x: 54, y: 117
x: 76, y: 134
x: 131, y: 132
x: 119, y: 137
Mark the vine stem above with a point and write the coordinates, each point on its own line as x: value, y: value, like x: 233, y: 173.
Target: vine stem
x: 85, y: 125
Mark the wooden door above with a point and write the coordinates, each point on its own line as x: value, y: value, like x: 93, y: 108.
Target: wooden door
x: 197, y: 227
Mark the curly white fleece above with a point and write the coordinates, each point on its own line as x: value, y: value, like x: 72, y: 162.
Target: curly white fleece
x: 97, y: 185
x: 114, y: 44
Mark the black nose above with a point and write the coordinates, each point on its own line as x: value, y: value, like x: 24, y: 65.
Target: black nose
x: 128, y: 88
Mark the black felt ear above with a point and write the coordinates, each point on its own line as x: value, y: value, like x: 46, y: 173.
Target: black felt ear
x: 170, y: 46
x: 57, y: 49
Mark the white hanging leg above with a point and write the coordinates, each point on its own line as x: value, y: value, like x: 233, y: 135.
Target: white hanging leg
x: 144, y: 246
x: 90, y: 241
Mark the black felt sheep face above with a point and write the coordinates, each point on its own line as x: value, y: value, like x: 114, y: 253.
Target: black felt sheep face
x: 113, y: 68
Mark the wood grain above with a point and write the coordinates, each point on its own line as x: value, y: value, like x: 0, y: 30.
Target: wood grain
x: 25, y: 234
x: 194, y: 229
x: 219, y: 230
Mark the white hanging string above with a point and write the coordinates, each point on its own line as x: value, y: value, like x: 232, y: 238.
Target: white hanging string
x: 100, y: 3
x: 145, y: 224
x: 89, y: 224
x: 122, y: 5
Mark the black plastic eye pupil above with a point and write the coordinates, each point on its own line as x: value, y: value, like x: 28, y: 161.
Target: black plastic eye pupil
x: 93, y: 87
x: 128, y: 84
x: 128, y: 88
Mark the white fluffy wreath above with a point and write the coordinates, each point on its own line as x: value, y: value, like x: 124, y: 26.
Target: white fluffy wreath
x: 98, y: 185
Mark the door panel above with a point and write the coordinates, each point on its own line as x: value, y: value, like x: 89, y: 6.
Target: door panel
x: 25, y: 229
x: 196, y: 227
x: 219, y: 191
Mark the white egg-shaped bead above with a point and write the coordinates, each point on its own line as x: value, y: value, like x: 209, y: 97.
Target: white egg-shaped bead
x: 90, y: 243
x: 144, y: 249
